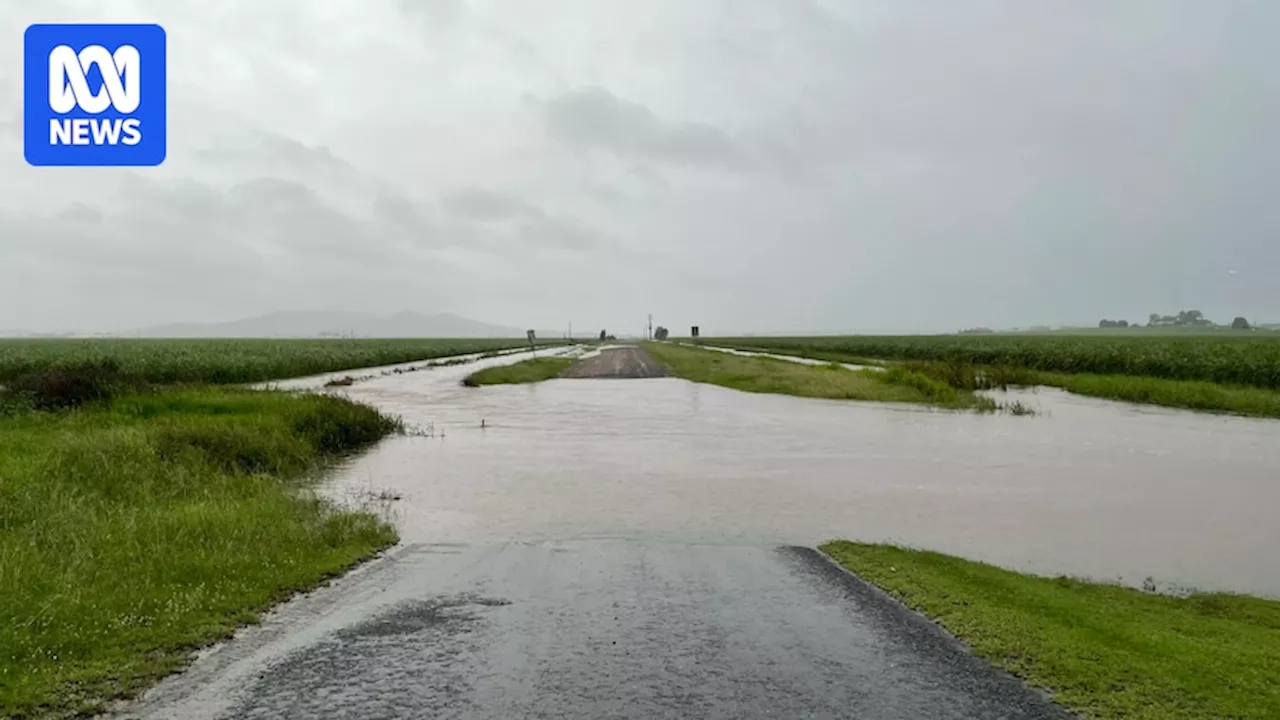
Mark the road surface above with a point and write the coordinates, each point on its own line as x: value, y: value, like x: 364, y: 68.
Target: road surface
x: 596, y: 628
x: 628, y: 361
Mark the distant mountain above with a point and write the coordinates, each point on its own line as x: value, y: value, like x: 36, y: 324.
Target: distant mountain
x: 310, y: 324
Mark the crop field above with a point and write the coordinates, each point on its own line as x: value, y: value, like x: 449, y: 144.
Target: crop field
x: 229, y: 361
x: 1252, y: 360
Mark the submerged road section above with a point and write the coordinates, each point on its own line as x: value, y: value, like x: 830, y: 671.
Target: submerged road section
x: 628, y: 361
x: 594, y: 629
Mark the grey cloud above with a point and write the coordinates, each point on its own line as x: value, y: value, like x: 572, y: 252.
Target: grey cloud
x: 78, y: 212
x: 534, y: 226
x: 558, y: 232
x: 11, y: 120
x: 268, y: 151
x: 594, y: 118
x: 985, y: 163
x: 434, y: 14
x: 191, y: 243
x: 411, y: 219
x: 487, y: 205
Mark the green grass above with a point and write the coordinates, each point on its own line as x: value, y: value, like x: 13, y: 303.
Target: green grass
x: 1187, y: 394
x: 140, y: 527
x: 957, y: 371
x: 1251, y: 359
x: 771, y: 375
x: 1104, y: 651
x: 525, y: 371
x: 232, y: 361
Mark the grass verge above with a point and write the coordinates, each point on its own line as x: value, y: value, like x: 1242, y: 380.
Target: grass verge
x: 1186, y: 394
x: 771, y: 375
x: 1104, y: 651
x: 525, y: 371
x: 1196, y: 395
x: 142, y: 526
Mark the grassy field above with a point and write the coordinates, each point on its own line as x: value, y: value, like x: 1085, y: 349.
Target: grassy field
x: 136, y: 526
x: 231, y: 361
x: 769, y: 375
x: 1234, y: 359
x: 1188, y: 394
x: 950, y: 358
x: 1104, y: 651
x: 525, y: 371
x: 1145, y: 331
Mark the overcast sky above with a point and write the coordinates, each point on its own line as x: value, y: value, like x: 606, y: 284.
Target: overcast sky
x: 797, y: 165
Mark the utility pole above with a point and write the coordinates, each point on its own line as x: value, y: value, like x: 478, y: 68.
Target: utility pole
x: 649, y: 333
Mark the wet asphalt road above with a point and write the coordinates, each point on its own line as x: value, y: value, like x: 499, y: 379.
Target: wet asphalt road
x: 598, y: 628
x: 628, y: 361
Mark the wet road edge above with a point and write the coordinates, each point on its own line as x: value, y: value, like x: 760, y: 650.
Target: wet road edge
x: 927, y: 637
x: 220, y: 668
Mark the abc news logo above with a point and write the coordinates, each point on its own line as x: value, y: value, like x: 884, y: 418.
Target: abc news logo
x: 94, y: 95
x: 69, y: 89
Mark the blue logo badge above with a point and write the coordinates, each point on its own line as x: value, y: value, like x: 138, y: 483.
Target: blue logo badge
x: 94, y: 95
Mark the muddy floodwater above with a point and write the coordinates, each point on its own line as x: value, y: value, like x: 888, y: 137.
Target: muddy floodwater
x: 1091, y: 488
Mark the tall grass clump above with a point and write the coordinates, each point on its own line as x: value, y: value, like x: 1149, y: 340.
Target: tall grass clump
x: 139, y: 526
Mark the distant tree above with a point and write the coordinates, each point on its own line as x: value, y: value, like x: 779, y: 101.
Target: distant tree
x: 660, y: 333
x: 1239, y: 324
x: 1153, y: 319
x: 1122, y: 323
x: 602, y: 335
x: 1190, y: 317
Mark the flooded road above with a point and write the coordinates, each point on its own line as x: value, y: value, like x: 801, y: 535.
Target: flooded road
x: 608, y: 548
x: 1090, y: 487
x: 621, y: 363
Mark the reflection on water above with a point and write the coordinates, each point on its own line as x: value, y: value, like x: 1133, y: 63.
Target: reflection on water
x: 1091, y: 487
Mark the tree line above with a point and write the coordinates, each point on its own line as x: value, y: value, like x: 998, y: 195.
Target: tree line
x: 1182, y: 319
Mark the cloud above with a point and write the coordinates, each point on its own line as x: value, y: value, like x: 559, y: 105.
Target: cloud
x: 593, y: 118
x: 533, y: 226
x: 565, y: 233
x: 737, y: 164
x: 80, y: 213
x: 434, y: 14
x: 488, y: 205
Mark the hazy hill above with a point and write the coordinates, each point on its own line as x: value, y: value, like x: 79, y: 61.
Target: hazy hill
x: 304, y: 324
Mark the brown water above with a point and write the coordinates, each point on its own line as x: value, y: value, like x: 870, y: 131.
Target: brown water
x: 1092, y: 488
